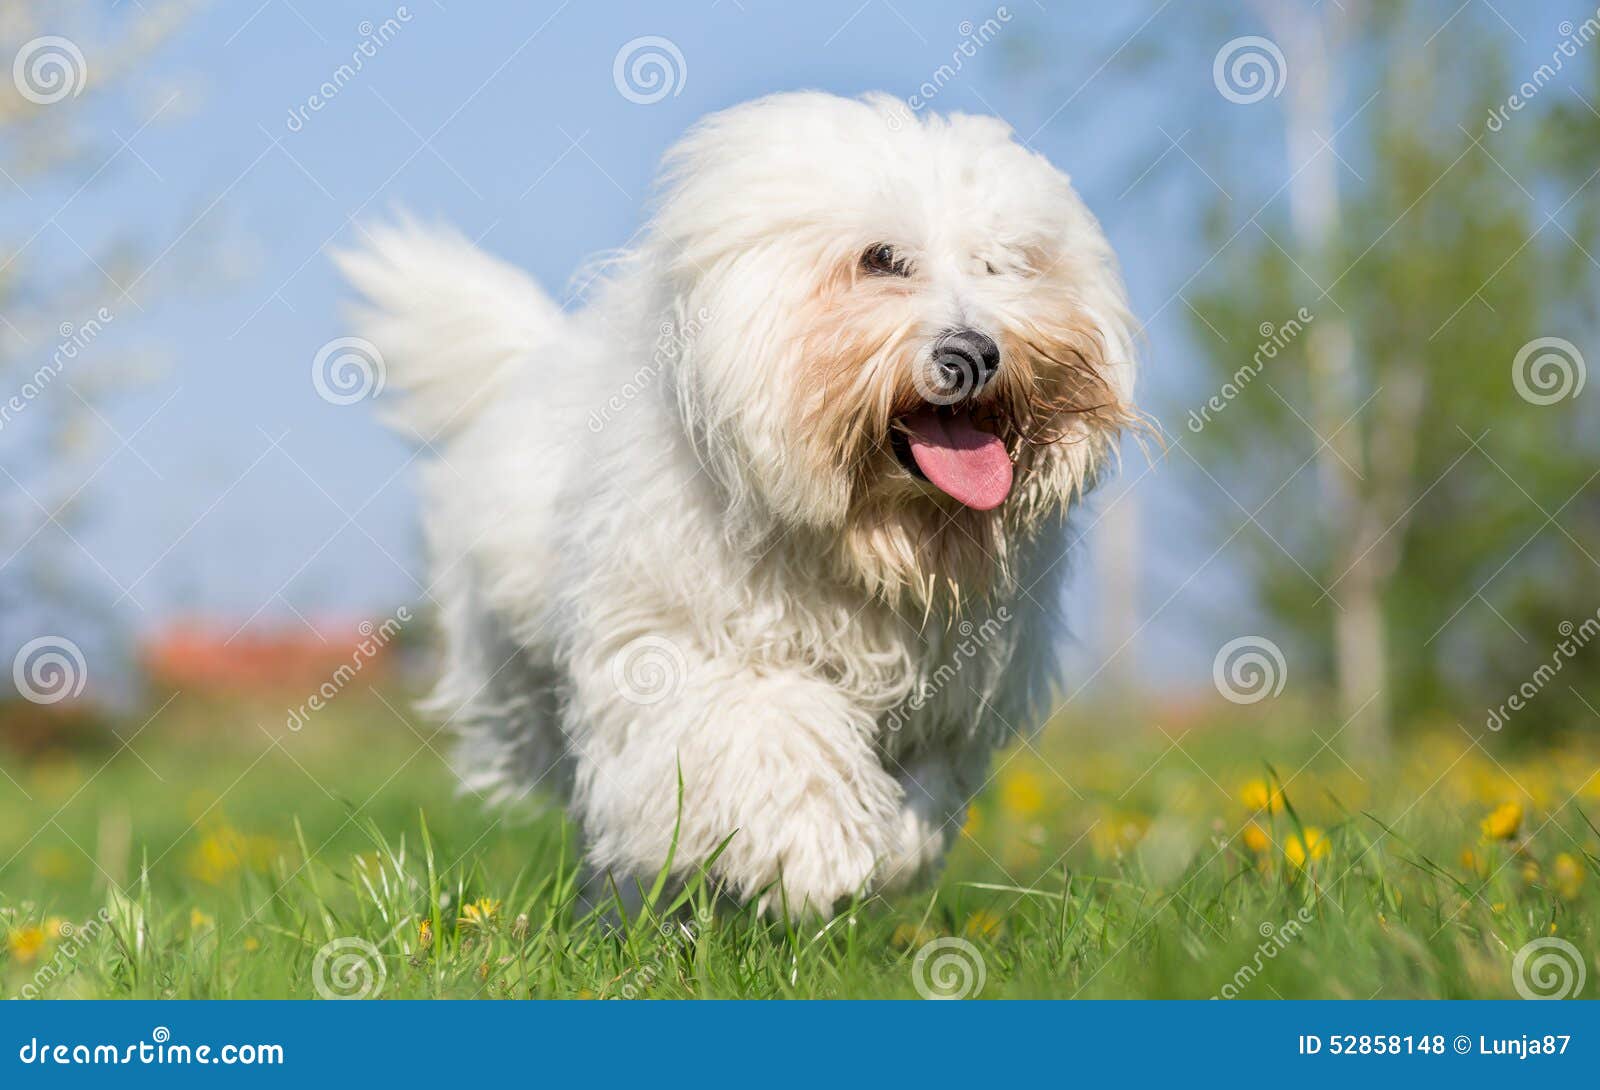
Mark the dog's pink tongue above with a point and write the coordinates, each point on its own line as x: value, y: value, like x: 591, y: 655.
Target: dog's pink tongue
x: 962, y: 461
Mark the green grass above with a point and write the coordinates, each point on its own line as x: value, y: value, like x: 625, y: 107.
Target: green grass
x: 216, y: 855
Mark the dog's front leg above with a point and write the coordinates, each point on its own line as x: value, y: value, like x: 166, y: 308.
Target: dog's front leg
x: 938, y: 785
x: 781, y: 761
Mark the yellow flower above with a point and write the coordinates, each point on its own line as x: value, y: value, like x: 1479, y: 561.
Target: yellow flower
x: 57, y: 928
x: 1470, y: 860
x: 1257, y: 796
x: 1117, y: 833
x: 252, y: 944
x: 480, y: 913
x: 425, y: 935
x: 1021, y: 793
x: 1566, y: 874
x: 25, y: 943
x: 223, y: 851
x: 199, y: 921
x: 983, y: 925
x: 907, y: 935
x: 1256, y: 839
x: 1313, y: 847
x: 1502, y: 822
x: 974, y: 822
x: 54, y: 863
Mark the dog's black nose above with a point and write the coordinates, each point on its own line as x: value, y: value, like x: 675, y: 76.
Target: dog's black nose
x: 964, y: 360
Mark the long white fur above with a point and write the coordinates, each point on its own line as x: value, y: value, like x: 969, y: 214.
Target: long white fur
x: 634, y: 572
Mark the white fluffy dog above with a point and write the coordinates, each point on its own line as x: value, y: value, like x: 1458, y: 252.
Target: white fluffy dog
x: 781, y: 511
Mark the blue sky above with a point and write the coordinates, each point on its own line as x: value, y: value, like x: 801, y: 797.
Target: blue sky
x: 244, y: 495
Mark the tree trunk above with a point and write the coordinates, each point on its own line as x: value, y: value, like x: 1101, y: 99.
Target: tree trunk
x: 1358, y: 581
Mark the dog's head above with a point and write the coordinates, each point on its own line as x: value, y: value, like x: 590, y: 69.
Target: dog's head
x: 914, y: 339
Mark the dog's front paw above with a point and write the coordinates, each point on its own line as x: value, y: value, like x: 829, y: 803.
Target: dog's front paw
x: 805, y: 853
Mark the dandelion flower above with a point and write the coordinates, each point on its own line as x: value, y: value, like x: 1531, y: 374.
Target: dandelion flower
x: 1256, y: 839
x: 983, y: 925
x: 1021, y: 793
x: 907, y: 935
x: 1313, y: 846
x: 1566, y: 874
x: 974, y: 823
x: 25, y: 943
x: 1502, y: 822
x: 1257, y: 796
x: 480, y: 914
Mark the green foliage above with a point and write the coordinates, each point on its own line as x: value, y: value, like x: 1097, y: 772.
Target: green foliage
x: 1248, y: 861
x: 1458, y: 243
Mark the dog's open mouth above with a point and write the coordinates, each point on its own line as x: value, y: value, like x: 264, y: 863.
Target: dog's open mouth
x: 947, y: 448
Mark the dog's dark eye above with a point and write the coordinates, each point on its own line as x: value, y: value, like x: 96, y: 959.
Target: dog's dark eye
x: 881, y: 260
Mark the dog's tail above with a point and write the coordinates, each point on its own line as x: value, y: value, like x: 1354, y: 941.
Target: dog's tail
x: 450, y: 323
